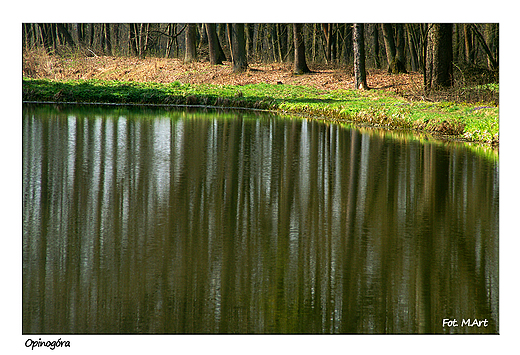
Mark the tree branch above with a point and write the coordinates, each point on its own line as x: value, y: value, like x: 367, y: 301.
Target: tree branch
x: 482, y: 41
x: 168, y: 35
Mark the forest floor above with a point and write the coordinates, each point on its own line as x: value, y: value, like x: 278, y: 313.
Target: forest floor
x: 394, y: 101
x: 162, y: 70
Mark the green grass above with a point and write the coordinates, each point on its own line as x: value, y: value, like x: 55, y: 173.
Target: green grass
x: 476, y: 122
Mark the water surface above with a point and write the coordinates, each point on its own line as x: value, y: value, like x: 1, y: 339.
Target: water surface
x: 167, y: 221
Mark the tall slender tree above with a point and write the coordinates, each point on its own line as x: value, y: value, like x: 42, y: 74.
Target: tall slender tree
x: 375, y: 45
x: 282, y: 38
x: 414, y: 59
x: 388, y: 37
x: 230, y: 39
x: 400, y: 58
x: 395, y: 63
x: 107, y: 38
x: 492, y: 40
x: 469, y: 50
x: 327, y: 33
x: 132, y: 39
x: 47, y: 34
x: 65, y: 33
x: 439, y: 56
x: 359, y: 56
x: 492, y: 62
x: 203, y: 35
x: 300, y: 64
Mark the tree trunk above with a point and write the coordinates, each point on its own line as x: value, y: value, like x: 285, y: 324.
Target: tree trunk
x: 132, y: 39
x: 144, y: 36
x: 239, y: 48
x: 349, y: 46
x: 65, y: 33
x: 230, y: 40
x: 400, y: 46
x: 469, y: 51
x: 414, y: 58
x: 258, y: 41
x: 300, y: 64
x: 388, y: 36
x: 494, y: 40
x: 395, y: 63
x: 278, y: 48
x: 492, y: 30
x: 327, y: 29
x: 140, y: 44
x: 456, y: 43
x: 190, y: 54
x: 46, y: 34
x: 249, y: 32
x: 271, y: 42
x: 25, y: 35
x: 176, y: 41
x: 335, y: 43
x: 203, y: 35
x: 169, y: 41
x: 282, y: 38
x: 221, y: 34
x: 313, y: 51
x: 439, y: 57
x: 213, y: 44
x: 359, y: 57
x: 108, y: 39
x: 492, y: 63
x: 375, y: 44
x: 91, y: 35
x: 80, y: 31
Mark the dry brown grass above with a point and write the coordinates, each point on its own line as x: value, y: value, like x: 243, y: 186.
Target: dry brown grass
x: 38, y: 64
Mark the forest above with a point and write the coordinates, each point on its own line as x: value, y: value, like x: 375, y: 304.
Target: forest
x: 400, y: 47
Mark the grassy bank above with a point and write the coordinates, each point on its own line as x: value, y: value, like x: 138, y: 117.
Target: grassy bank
x: 475, y: 122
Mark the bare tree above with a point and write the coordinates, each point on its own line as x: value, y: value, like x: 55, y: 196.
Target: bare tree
x: 327, y: 33
x: 65, y: 33
x: 469, y: 50
x: 106, y: 38
x: 395, y: 62
x: 414, y: 58
x: 359, y: 57
x: 388, y: 37
x: 47, y: 31
x: 375, y: 45
x: 492, y: 62
x: 132, y: 39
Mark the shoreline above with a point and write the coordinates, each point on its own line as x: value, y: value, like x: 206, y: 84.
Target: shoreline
x: 375, y: 108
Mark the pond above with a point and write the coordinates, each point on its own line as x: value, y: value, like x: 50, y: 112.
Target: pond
x: 149, y: 220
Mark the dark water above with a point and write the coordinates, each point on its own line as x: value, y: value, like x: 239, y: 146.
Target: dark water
x: 153, y: 221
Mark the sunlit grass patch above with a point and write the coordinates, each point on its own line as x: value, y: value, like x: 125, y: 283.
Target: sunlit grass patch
x: 471, y: 122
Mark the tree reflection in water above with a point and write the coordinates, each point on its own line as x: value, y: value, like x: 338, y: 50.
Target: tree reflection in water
x: 149, y: 221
